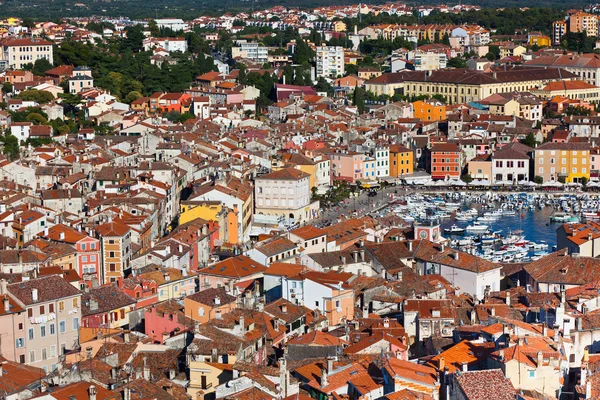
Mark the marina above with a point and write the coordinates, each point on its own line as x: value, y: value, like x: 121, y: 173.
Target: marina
x: 518, y: 227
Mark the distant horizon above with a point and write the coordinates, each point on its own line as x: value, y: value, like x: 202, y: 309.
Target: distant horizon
x: 188, y: 9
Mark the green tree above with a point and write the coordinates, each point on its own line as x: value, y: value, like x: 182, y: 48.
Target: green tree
x: 457, y: 62
x: 40, y: 67
x: 153, y: 27
x: 37, y: 119
x: 530, y: 140
x: 358, y: 99
x: 132, y: 96
x: 7, y: 87
x: 538, y: 179
x: 39, y: 96
x: 104, y: 129
x: 11, y: 146
x: 28, y: 23
x: 324, y: 86
x: 303, y: 53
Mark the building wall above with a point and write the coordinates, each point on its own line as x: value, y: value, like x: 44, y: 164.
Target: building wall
x: 401, y: 163
x: 480, y: 169
x: 445, y: 164
x: 283, y: 197
x: 66, y: 316
x: 19, y: 56
x: 155, y: 324
x: 13, y: 334
x: 203, y: 313
x: 571, y: 164
x: 516, y: 170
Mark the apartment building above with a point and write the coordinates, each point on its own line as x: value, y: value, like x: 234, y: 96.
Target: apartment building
x: 401, y: 161
x: 19, y: 52
x: 511, y: 163
x: 88, y: 264
x: 330, y: 61
x: 51, y: 329
x: 115, y: 244
x: 445, y: 161
x: 429, y: 110
x: 382, y: 160
x: 559, y: 29
x: 584, y: 22
x: 429, y: 61
x: 251, y: 51
x: 169, y: 44
x: 562, y: 161
x: 285, y: 193
x: 12, y: 326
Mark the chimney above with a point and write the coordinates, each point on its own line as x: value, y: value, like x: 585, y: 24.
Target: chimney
x: 501, y: 354
x: 62, y: 237
x: 508, y: 298
x: 361, y: 243
x: 493, y: 311
x: 34, y: 295
x: 441, y: 364
x: 386, y: 322
x: 146, y: 370
x: 126, y: 393
x: 88, y: 352
x: 6, y: 304
x: 343, y: 260
x: 544, y: 329
x: 410, y: 247
x: 3, y: 286
x: 329, y: 365
x: 540, y: 358
x: 217, y: 301
x: 442, y: 248
x: 362, y: 255
x: 324, y: 382
x: 92, y: 392
x: 284, y: 308
x: 242, y: 324
x: 465, y: 367
x: 355, y: 256
x: 583, y: 375
x: 365, y: 312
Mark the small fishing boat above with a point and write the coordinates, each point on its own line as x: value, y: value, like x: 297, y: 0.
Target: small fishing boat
x: 455, y: 230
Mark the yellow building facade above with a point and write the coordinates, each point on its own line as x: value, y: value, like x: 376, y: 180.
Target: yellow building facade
x: 562, y: 161
x: 401, y: 161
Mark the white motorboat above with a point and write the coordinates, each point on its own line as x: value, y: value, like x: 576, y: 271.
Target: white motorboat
x: 455, y: 230
x: 477, y: 228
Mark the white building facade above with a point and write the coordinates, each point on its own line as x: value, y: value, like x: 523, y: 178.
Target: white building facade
x: 330, y: 61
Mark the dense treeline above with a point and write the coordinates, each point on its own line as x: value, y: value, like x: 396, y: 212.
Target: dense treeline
x: 121, y: 67
x: 505, y: 22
